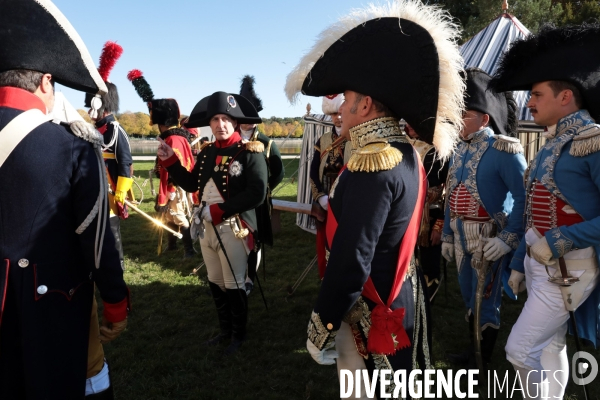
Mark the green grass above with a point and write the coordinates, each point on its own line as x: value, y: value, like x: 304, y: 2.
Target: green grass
x: 161, y: 355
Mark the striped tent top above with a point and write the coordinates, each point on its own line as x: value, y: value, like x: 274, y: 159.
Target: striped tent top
x: 485, y: 48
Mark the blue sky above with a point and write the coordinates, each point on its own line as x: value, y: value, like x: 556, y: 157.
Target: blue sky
x: 189, y: 49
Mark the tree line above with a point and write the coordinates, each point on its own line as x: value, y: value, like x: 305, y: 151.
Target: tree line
x: 138, y: 125
x: 474, y: 15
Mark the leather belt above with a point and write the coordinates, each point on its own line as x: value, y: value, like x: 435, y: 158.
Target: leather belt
x: 470, y: 218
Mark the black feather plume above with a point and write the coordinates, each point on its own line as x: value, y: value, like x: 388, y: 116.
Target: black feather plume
x: 247, y: 90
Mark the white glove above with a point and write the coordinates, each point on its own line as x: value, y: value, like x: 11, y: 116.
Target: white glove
x: 326, y: 356
x: 172, y: 195
x: 448, y: 251
x: 495, y: 248
x: 541, y: 252
x: 196, y: 225
x: 516, y: 282
x: 323, y: 201
x: 206, y: 214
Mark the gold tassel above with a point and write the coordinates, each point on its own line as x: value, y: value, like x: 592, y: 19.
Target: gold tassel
x: 255, y: 147
x: 586, y: 144
x: 374, y: 157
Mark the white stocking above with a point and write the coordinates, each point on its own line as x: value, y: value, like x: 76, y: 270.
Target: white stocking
x: 558, y: 364
x: 533, y: 384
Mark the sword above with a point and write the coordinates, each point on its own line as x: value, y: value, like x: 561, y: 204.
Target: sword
x: 568, y: 280
x: 225, y: 254
x: 153, y: 220
x: 482, y: 267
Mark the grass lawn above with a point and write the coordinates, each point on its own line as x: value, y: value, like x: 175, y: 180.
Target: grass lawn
x: 161, y: 355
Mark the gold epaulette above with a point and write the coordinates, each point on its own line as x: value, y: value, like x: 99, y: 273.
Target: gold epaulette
x: 507, y: 144
x: 587, y: 142
x: 204, y: 145
x: 372, y: 152
x: 255, y: 146
x: 374, y: 157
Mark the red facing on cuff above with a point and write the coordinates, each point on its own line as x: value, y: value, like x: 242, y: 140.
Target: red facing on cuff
x: 117, y: 312
x: 169, y: 161
x: 216, y: 214
x: 162, y: 200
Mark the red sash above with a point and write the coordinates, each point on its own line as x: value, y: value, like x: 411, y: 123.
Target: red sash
x: 387, y: 334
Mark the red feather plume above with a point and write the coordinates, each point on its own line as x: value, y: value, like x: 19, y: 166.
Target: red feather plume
x: 134, y: 74
x: 110, y: 54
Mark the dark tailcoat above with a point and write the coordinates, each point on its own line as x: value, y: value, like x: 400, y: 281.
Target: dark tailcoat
x: 242, y: 182
x: 373, y: 211
x: 50, y: 184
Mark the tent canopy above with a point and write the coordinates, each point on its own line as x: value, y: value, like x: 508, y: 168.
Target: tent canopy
x: 485, y: 49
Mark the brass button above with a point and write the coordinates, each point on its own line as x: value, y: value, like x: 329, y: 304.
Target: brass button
x: 330, y: 326
x: 71, y: 292
x: 23, y: 263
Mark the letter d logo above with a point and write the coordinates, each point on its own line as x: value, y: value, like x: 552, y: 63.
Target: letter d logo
x: 578, y: 370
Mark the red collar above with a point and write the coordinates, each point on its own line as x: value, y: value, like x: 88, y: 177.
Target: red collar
x: 233, y: 139
x: 20, y: 99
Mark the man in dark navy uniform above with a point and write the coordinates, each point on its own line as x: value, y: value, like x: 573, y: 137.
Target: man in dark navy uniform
x: 115, y: 150
x: 55, y: 242
x: 370, y: 312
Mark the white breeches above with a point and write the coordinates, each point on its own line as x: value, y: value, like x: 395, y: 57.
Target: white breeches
x: 217, y: 267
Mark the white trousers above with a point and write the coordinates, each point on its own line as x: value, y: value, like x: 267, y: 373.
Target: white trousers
x: 217, y: 267
x: 349, y: 358
x: 543, y: 320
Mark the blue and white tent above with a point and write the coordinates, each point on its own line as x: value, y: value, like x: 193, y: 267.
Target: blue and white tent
x: 485, y: 48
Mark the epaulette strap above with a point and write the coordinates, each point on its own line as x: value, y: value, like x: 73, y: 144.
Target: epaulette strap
x: 255, y: 147
x: 508, y: 144
x: 374, y: 157
x: 205, y: 145
x: 587, y: 142
x: 87, y: 132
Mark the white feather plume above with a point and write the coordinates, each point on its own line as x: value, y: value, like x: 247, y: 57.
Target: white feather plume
x: 445, y: 34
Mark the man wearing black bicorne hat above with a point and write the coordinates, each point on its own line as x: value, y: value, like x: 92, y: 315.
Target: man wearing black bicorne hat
x: 231, y: 176
x: 371, y: 312
x: 561, y: 247
x: 482, y: 228
x: 55, y: 240
x: 249, y: 132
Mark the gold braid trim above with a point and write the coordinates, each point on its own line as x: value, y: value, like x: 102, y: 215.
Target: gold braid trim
x: 255, y: 147
x: 507, y: 144
x: 586, y: 143
x: 319, y: 334
x: 372, y: 152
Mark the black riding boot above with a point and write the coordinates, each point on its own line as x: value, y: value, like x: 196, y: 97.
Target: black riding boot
x: 488, y: 340
x: 172, y: 245
x: 239, y: 315
x: 463, y: 358
x: 223, y: 313
x: 187, y: 243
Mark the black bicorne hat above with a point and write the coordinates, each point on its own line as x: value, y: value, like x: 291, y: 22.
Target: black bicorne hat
x: 36, y: 36
x: 501, y: 107
x: 403, y: 54
x: 233, y: 105
x: 247, y: 90
x: 570, y: 53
